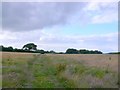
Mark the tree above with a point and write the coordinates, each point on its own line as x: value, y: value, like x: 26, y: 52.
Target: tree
x: 10, y: 48
x: 72, y: 51
x: 52, y: 51
x: 40, y: 51
x: 30, y: 47
x: 84, y: 51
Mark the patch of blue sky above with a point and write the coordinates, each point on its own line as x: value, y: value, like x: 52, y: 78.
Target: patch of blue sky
x: 90, y: 29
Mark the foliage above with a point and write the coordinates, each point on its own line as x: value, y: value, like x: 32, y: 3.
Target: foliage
x: 2, y: 48
x: 82, y: 51
x: 30, y: 47
x: 52, y: 51
x: 10, y: 49
x: 114, y: 53
x: 40, y: 51
x: 72, y: 51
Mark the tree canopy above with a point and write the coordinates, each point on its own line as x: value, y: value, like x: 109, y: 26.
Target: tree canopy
x: 30, y: 47
x: 82, y: 51
x: 2, y: 48
x: 72, y: 51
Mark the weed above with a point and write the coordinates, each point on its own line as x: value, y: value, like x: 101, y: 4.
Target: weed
x: 66, y: 82
x: 60, y: 67
x: 99, y: 73
x: 42, y: 82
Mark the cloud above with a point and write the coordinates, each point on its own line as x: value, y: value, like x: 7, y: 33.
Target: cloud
x: 105, y: 18
x: 60, y: 1
x: 30, y: 16
x: 18, y: 39
x: 24, y: 16
x: 102, y: 12
x: 104, y: 42
x: 6, y: 35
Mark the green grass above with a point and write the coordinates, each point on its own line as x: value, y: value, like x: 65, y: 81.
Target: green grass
x: 42, y: 71
x: 96, y: 72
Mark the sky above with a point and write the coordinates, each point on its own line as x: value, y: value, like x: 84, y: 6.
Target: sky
x: 60, y: 25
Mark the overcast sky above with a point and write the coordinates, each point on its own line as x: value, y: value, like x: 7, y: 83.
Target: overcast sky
x: 58, y: 26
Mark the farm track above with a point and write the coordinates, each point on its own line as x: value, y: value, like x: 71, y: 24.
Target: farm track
x: 29, y: 73
x: 43, y: 70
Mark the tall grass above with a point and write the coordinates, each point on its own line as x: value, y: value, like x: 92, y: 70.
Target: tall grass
x: 44, y: 71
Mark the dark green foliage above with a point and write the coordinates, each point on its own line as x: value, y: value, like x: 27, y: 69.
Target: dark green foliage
x: 30, y: 47
x: 60, y: 53
x: 82, y: 51
x: 10, y: 49
x: 52, y: 51
x: 40, y: 51
x: 114, y: 53
x: 72, y: 51
x: 2, y: 48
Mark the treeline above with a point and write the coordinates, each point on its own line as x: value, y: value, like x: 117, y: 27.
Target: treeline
x: 11, y: 49
x: 114, y: 53
x: 68, y: 51
x: 82, y: 51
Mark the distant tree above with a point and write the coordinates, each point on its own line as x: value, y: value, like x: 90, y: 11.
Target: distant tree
x: 84, y: 51
x: 19, y: 50
x: 98, y: 52
x: 72, y: 51
x: 10, y: 48
x: 40, y: 51
x: 30, y: 47
x: 2, y: 48
x: 46, y: 51
x: 52, y: 51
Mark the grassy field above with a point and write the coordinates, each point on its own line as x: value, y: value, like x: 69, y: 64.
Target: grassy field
x: 25, y: 70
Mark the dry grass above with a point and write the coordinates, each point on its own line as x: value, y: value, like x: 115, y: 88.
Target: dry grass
x: 98, y: 60
x: 27, y: 70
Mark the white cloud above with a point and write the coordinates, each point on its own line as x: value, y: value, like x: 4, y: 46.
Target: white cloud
x: 92, y: 6
x: 105, y: 18
x: 105, y: 42
x: 7, y: 35
x: 102, y: 12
